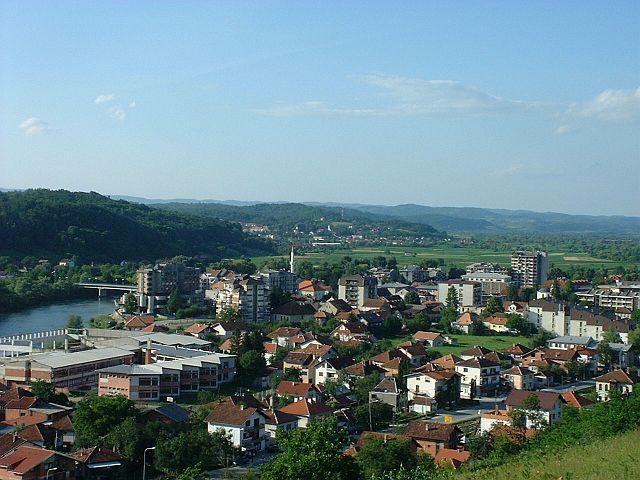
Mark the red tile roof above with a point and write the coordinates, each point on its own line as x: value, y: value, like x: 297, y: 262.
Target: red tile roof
x: 306, y: 407
x: 25, y: 458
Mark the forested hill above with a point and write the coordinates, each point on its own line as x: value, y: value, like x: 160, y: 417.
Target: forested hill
x: 93, y: 227
x: 287, y: 216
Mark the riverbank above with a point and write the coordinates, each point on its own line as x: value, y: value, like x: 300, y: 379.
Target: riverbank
x: 53, y: 315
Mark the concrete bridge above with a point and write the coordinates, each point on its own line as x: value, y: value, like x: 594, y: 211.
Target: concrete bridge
x: 107, y: 286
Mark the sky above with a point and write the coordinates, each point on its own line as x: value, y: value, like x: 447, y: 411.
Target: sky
x: 527, y: 105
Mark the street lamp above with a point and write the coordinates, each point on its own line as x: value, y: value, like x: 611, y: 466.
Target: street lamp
x: 52, y: 469
x: 144, y: 462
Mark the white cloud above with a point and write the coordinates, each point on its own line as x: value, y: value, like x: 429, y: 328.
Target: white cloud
x: 117, y: 112
x: 562, y: 129
x: 34, y: 126
x: 104, y: 98
x: 435, y: 97
x: 409, y: 96
x: 132, y: 104
x: 315, y: 108
x: 610, y: 105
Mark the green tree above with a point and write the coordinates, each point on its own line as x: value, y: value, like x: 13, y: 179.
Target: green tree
x: 494, y: 305
x: 450, y: 312
x: 512, y: 293
x: 126, y: 438
x: 540, y: 338
x: 611, y: 336
x: 634, y: 339
x: 520, y: 324
x: 47, y: 391
x: 363, y: 385
x: 228, y: 315
x: 379, y: 413
x: 377, y: 456
x: 130, y: 303
x: 193, y: 473
x: 412, y: 298
x: 292, y: 374
x: 96, y: 416
x: 252, y: 363
x: 174, y: 301
x: 173, y: 455
x: 312, y: 453
x: 606, y: 354
x: 74, y: 322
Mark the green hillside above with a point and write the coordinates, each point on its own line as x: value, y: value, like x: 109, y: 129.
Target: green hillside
x: 283, y: 217
x: 613, y: 458
x: 95, y: 228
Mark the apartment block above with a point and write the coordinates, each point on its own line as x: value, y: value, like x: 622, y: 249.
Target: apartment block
x: 530, y: 267
x: 247, y: 294
x: 469, y: 293
x: 155, y: 284
x: 492, y: 284
x: 281, y: 279
x: 355, y: 289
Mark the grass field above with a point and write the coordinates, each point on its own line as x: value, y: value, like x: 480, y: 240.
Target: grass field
x: 453, y: 256
x: 614, y: 458
x: 497, y: 342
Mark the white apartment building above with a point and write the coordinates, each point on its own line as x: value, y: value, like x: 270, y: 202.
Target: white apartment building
x: 613, y: 296
x: 469, y: 293
x: 247, y: 294
x: 355, y: 289
x: 551, y: 316
x: 492, y: 284
x: 563, y: 320
x: 479, y: 377
x: 531, y: 267
x: 281, y: 279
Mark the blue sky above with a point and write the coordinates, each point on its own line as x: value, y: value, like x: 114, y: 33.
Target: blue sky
x: 531, y: 105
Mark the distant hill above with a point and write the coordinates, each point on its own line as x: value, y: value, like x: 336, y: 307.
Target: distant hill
x: 96, y: 228
x: 470, y: 219
x: 286, y: 216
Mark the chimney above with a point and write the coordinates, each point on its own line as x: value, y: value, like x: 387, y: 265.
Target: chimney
x: 147, y: 353
x: 242, y: 406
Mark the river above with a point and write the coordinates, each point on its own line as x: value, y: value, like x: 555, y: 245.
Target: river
x: 53, y: 316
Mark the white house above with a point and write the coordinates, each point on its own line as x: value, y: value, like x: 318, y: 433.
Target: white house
x: 488, y: 420
x: 549, y: 406
x: 479, y: 377
x: 243, y: 424
x: 618, y: 380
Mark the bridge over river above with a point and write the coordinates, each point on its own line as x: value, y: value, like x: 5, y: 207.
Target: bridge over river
x: 107, y: 286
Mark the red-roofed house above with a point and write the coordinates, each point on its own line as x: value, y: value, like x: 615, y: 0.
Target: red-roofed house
x: 306, y: 410
x: 298, y: 390
x: 33, y: 463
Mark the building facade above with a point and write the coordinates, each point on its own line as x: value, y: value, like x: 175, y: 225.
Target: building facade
x: 530, y: 267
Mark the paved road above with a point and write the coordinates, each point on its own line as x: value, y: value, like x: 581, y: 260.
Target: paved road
x: 567, y: 387
x: 489, y: 403
x: 486, y: 404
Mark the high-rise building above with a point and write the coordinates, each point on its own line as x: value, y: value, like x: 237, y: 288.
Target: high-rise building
x: 247, y: 294
x: 156, y: 284
x: 281, y: 279
x: 530, y: 268
x: 355, y: 289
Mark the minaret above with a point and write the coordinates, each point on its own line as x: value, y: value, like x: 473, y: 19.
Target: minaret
x: 292, y: 262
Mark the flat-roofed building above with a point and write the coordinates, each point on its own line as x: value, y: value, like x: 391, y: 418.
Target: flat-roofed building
x: 75, y: 370
x: 157, y: 381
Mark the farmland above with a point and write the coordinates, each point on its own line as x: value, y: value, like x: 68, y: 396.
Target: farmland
x: 452, y: 255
